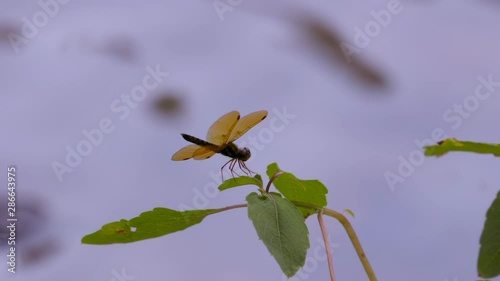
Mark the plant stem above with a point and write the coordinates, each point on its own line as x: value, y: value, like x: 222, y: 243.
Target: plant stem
x: 229, y: 208
x: 354, y: 240
x: 271, y: 180
x: 327, y: 245
x: 350, y: 232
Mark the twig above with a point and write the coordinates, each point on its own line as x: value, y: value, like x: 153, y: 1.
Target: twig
x: 327, y: 245
x: 350, y: 232
x: 229, y: 208
x: 271, y: 180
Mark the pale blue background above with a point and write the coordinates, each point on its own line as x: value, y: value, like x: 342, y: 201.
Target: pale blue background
x: 346, y: 133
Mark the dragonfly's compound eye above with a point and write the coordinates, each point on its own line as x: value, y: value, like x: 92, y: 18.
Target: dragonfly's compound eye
x: 247, y: 153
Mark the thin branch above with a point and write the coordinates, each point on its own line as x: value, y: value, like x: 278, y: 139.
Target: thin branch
x: 272, y: 179
x: 327, y: 245
x: 354, y: 240
x: 350, y: 232
x: 229, y: 208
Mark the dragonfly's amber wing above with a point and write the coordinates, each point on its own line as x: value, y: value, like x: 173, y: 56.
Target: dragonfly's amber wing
x: 203, y: 153
x: 186, y: 152
x: 246, y: 123
x: 220, y: 131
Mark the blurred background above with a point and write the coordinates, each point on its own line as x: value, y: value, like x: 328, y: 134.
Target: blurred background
x: 353, y: 91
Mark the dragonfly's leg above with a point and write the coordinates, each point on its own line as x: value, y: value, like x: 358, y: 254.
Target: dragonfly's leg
x: 246, y: 168
x: 241, y: 164
x: 222, y: 169
x: 231, y: 167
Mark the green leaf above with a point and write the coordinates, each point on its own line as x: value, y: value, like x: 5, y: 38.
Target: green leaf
x: 466, y: 146
x: 488, y: 264
x: 239, y: 181
x: 151, y: 224
x: 306, y: 191
x: 281, y: 227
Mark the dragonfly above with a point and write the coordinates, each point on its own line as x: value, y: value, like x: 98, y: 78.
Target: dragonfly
x: 220, y: 139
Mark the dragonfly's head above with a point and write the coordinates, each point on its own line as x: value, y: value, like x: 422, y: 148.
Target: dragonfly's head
x: 244, y: 154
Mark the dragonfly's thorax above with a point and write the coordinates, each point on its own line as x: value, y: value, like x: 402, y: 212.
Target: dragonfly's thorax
x: 232, y: 151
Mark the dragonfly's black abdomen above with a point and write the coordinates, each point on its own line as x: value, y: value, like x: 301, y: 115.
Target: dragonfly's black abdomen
x: 196, y: 140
